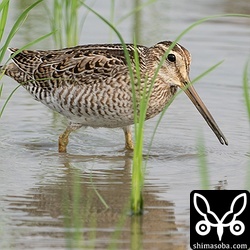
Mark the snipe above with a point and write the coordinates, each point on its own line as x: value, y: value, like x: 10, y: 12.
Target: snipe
x: 90, y: 84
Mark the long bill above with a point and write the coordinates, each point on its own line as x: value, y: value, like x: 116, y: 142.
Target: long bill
x: 196, y: 100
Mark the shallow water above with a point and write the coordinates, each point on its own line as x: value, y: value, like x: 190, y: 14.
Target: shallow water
x: 37, y: 183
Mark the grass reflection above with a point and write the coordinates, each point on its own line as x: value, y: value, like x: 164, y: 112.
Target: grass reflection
x: 81, y: 205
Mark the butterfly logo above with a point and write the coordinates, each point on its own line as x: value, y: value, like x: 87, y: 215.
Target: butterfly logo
x: 203, y: 227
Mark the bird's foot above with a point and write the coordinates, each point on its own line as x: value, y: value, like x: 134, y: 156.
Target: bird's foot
x: 129, y: 145
x: 63, y: 141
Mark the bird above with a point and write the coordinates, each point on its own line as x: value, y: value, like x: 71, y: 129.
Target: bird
x: 100, y: 85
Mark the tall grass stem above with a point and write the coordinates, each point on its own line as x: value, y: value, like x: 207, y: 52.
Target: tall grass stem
x: 18, y: 23
x: 246, y: 87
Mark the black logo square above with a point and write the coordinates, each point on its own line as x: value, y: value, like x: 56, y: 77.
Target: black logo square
x: 220, y: 219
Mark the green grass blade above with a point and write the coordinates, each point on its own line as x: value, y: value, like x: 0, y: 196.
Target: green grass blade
x: 118, y: 228
x: 16, y: 27
x: 113, y: 28
x: 138, y: 168
x: 3, y: 3
x: 139, y: 118
x: 112, y: 11
x: 137, y: 173
x: 206, y: 72
x: 30, y: 44
x: 56, y: 21
x: 22, y: 48
x: 7, y: 100
x: 126, y: 53
x: 136, y: 233
x: 246, y: 87
x: 1, y: 90
x: 246, y: 92
x: 98, y: 194
x: 186, y: 31
x: 71, y: 22
x: 203, y: 168
x: 137, y: 9
x: 4, y: 8
x: 173, y: 44
x: 112, y: 16
x: 64, y: 19
x: 205, y: 19
x: 172, y: 99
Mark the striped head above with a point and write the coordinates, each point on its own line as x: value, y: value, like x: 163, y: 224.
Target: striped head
x: 175, y: 68
x: 174, y: 73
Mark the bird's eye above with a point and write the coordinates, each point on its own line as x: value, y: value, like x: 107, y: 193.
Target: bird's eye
x: 171, y: 57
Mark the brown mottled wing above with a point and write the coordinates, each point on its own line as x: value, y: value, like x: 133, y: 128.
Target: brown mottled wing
x: 78, y: 65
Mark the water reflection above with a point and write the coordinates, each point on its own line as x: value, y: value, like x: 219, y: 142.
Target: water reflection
x: 57, y: 204
x: 37, y: 187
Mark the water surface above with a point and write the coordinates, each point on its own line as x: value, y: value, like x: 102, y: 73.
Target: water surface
x: 37, y: 184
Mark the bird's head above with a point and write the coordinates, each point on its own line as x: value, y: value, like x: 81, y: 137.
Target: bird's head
x: 174, y: 72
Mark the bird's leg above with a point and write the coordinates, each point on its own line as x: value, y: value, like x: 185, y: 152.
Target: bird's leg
x: 64, y: 137
x: 64, y: 140
x: 128, y: 138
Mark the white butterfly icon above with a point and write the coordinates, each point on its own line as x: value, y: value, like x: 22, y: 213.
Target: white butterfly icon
x: 203, y: 227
